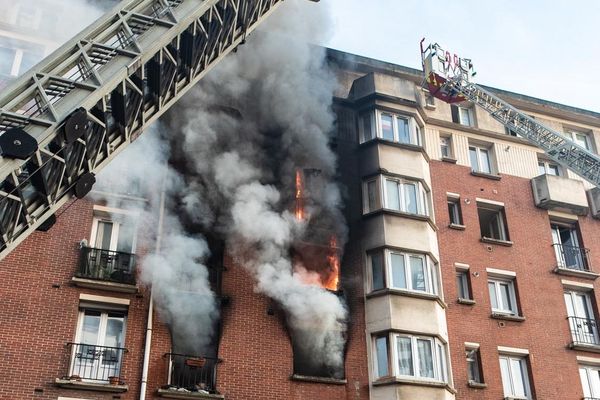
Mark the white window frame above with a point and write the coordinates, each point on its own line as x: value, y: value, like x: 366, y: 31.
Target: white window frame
x: 414, y: 130
x: 454, y: 211
x: 546, y: 165
x: 113, y: 217
x: 448, y: 145
x: 499, y: 218
x: 590, y: 390
x: 438, y: 356
x: 381, y: 202
x: 474, y: 349
x: 575, y: 136
x: 525, y: 375
x: 479, y: 150
x: 462, y: 278
x: 430, y: 270
x: 470, y: 116
x: 512, y: 296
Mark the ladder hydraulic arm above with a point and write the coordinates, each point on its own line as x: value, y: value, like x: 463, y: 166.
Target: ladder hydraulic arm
x: 65, y: 119
x: 448, y: 78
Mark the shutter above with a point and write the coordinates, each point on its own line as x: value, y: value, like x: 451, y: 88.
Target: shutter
x: 455, y: 117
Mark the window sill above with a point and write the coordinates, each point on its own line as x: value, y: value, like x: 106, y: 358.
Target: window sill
x: 500, y: 242
x: 507, y: 317
x: 449, y: 160
x: 592, y: 348
x: 515, y: 398
x: 185, y: 394
x: 576, y: 272
x: 467, y: 302
x: 318, y: 379
x: 493, y: 177
x: 98, y: 387
x: 405, y: 146
x: 392, y: 380
x: 477, y: 385
x: 458, y: 227
x: 407, y: 293
x: 104, y: 285
x: 418, y: 217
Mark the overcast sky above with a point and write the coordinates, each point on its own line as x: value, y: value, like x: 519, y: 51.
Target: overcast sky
x: 546, y: 49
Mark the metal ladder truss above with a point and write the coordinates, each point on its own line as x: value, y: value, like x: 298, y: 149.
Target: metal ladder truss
x: 72, y: 113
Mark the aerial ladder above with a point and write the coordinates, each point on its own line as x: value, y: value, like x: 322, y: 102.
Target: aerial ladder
x: 72, y: 113
x: 449, y: 78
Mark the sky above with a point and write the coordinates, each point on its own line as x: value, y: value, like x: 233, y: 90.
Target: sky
x: 548, y: 49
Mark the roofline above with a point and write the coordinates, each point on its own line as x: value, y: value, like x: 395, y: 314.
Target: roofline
x: 370, y: 64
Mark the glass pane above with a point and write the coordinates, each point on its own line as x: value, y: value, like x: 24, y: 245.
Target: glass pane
x: 417, y: 272
x: 382, y: 356
x: 473, y: 366
x: 125, y: 239
x: 425, y: 358
x: 582, y: 140
x: 505, y: 297
x: 493, y: 297
x: 410, y: 198
x: 518, y: 377
x: 91, y: 325
x: 461, y: 285
x: 453, y: 212
x: 372, y: 195
x: 103, y: 235
x: 585, y: 383
x: 377, y: 271
x: 30, y: 58
x: 484, y: 158
x: 393, y: 197
x: 594, y: 377
x: 541, y: 168
x: 473, y: 159
x: 114, y: 332
x: 367, y: 133
x: 505, y: 372
x: 465, y: 116
x: 403, y: 130
x: 553, y: 169
x: 398, y: 271
x: 405, y: 366
x: 6, y: 60
x: 387, y: 130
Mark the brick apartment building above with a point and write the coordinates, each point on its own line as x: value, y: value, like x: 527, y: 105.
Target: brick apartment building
x: 470, y: 272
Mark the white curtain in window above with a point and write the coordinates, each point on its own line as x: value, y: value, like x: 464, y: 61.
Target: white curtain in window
x: 417, y: 270
x: 405, y: 366
x: 425, y: 358
x: 393, y: 197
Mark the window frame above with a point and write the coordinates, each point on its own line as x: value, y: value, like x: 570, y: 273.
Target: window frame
x: 439, y: 357
x: 381, y: 201
x: 450, y: 152
x: 588, y: 390
x: 430, y: 271
x: 500, y: 218
x: 116, y: 217
x: 463, y: 284
x: 588, y: 140
x: 454, y: 211
x: 475, y: 374
x: 524, y: 373
x: 512, y: 295
x: 376, y: 127
x: 479, y: 149
x: 546, y: 165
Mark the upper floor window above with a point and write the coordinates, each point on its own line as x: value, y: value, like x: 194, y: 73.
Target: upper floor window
x: 454, y: 211
x: 398, y: 194
x: 515, y: 380
x: 548, y: 167
x: 410, y: 356
x: 462, y: 115
x: 492, y: 221
x: 463, y: 284
x: 480, y: 159
x: 567, y: 249
x: 117, y: 234
x: 590, y: 381
x: 580, y: 313
x: 474, y: 370
x: 446, y: 147
x: 389, y: 126
x: 581, y: 138
x: 503, y: 296
x: 402, y: 270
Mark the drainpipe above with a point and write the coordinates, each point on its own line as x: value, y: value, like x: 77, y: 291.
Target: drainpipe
x: 148, y: 343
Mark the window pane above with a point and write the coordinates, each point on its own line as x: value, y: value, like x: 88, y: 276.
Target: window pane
x: 382, y: 356
x: 505, y: 297
x: 91, y: 325
x: 425, y: 358
x: 405, y: 366
x: 6, y: 60
x: 465, y: 116
x: 125, y: 239
x: 445, y: 146
x: 393, y: 197
x: 504, y: 371
x: 114, y: 332
x: 518, y: 377
x: 367, y: 133
x: 398, y: 271
x: 372, y: 195
x: 473, y: 158
x: 473, y: 366
x: 461, y: 285
x: 541, y: 168
x: 417, y: 272
x: 585, y: 384
x: 387, y: 130
x: 493, y: 298
x: 403, y: 131
x: 453, y: 212
x: 594, y: 377
x: 377, y: 271
x: 410, y: 198
x: 484, y: 158
x: 103, y: 235
x: 553, y: 169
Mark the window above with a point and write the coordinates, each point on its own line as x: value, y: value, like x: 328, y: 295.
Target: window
x: 16, y: 57
x: 492, y: 221
x: 400, y: 270
x: 548, y: 167
x: 474, y: 370
x: 98, y: 351
x: 462, y: 115
x: 581, y: 138
x: 412, y: 356
x: 463, y: 287
x: 568, y: 252
x: 429, y: 101
x: 454, y: 211
x: 502, y: 296
x: 515, y: 380
x: 582, y: 323
x: 446, y: 147
x: 398, y: 194
x: 590, y: 381
x: 480, y: 159
x: 117, y: 234
x: 392, y: 127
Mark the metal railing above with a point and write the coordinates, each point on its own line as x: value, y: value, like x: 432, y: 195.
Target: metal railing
x: 572, y: 257
x: 95, y: 363
x: 192, y: 372
x: 108, y: 265
x: 584, y: 330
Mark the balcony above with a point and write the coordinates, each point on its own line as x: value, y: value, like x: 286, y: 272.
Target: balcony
x: 191, y: 377
x: 94, y: 368
x: 106, y: 269
x: 560, y: 194
x: 573, y: 260
x: 584, y: 332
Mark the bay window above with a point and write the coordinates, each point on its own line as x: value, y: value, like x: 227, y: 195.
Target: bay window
x: 402, y: 270
x: 397, y: 194
x: 389, y: 126
x: 410, y: 356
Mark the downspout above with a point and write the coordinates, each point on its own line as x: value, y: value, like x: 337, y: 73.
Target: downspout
x: 148, y: 343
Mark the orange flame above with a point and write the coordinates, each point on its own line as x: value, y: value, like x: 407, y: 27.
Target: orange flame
x: 333, y: 258
x: 299, y: 211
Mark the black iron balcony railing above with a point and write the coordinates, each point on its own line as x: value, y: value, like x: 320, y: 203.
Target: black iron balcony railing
x: 572, y: 257
x: 193, y: 373
x: 108, y: 265
x: 584, y: 330
x: 96, y: 363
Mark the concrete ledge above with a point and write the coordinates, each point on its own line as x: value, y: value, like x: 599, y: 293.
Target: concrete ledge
x: 458, y: 227
x: 393, y: 380
x: 593, y: 348
x: 576, y: 272
x: 408, y: 293
x: 449, y: 160
x: 184, y: 394
x: 104, y: 285
x: 318, y: 379
x: 467, y: 302
x: 98, y: 387
x: 493, y: 177
x: 477, y: 385
x: 500, y: 242
x: 508, y: 317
